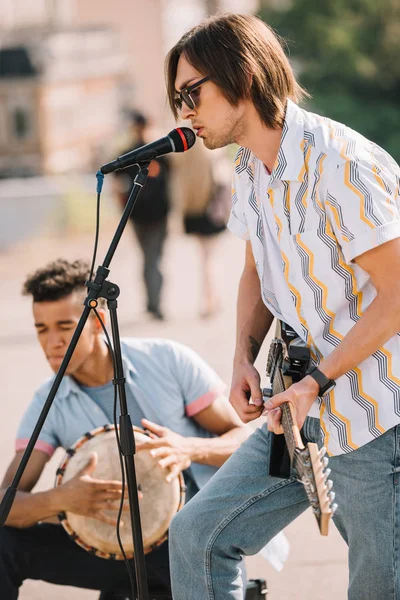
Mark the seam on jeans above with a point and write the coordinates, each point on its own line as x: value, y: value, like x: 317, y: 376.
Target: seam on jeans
x: 228, y: 520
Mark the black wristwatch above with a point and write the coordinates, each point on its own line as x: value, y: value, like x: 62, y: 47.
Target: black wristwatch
x: 326, y: 385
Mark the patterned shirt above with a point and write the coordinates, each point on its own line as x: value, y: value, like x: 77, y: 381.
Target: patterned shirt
x: 332, y: 195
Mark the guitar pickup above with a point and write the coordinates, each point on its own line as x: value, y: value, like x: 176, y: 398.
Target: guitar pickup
x: 297, y: 362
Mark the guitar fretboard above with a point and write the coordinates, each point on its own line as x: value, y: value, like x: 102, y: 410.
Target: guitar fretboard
x: 278, y: 386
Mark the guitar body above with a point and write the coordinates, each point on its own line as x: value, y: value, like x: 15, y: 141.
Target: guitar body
x: 288, y: 360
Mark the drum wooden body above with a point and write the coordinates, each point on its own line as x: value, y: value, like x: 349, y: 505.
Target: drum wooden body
x: 161, y: 500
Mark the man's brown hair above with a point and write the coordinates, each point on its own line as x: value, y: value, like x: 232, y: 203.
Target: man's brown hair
x: 244, y: 57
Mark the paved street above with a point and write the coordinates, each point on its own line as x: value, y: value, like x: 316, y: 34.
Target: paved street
x: 316, y: 568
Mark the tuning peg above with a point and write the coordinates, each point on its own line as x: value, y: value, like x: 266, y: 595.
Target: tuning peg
x: 332, y: 496
x: 334, y: 508
x: 327, y: 472
x: 325, y: 461
x: 322, y: 452
x: 267, y: 393
x: 329, y: 484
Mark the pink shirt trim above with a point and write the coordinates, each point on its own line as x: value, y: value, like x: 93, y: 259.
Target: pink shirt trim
x: 22, y: 443
x: 201, y: 403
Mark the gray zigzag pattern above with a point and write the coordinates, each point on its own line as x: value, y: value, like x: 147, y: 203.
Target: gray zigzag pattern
x: 363, y: 402
x: 359, y: 184
x: 339, y: 426
x: 346, y: 232
x: 282, y: 162
x: 244, y: 155
x: 387, y: 382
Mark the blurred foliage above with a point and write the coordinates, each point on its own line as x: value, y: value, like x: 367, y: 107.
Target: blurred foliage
x: 347, y: 54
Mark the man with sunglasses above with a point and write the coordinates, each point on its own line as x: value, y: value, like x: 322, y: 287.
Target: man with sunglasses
x: 189, y: 95
x: 318, y: 206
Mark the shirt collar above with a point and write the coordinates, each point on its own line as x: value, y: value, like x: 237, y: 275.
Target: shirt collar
x: 69, y: 385
x: 290, y: 163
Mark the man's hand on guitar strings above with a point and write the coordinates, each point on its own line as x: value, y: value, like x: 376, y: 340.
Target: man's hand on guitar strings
x: 245, y: 395
x: 301, y: 395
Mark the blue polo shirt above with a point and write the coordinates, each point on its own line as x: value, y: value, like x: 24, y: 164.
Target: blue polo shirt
x: 166, y: 382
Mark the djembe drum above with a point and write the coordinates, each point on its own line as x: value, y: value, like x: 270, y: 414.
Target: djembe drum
x: 160, y: 501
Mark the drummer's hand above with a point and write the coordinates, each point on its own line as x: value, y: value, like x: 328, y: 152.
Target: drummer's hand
x: 171, y: 448
x: 84, y: 495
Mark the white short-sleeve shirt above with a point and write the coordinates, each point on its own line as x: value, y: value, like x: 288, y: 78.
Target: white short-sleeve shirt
x: 331, y: 196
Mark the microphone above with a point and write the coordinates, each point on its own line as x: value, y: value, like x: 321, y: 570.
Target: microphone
x: 178, y: 140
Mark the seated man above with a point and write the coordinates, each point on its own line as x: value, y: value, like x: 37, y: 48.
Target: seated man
x: 170, y: 391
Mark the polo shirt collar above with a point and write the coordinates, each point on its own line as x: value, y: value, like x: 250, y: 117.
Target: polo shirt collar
x: 69, y: 385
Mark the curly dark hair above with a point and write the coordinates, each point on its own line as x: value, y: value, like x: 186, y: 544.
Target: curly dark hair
x: 57, y: 280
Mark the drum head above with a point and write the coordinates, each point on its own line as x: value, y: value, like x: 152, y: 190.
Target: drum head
x: 161, y: 500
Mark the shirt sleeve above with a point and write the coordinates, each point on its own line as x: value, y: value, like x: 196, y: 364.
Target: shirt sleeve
x: 237, y: 223
x: 199, y: 383
x: 47, y: 441
x: 363, y: 204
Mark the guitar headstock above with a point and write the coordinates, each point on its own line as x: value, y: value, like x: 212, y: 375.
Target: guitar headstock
x: 312, y: 467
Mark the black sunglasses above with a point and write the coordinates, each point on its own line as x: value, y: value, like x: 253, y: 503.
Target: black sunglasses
x: 186, y: 95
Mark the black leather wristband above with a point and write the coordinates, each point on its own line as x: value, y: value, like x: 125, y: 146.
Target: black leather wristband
x: 326, y: 385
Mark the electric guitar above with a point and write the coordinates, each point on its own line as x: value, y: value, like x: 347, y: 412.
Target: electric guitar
x: 288, y: 359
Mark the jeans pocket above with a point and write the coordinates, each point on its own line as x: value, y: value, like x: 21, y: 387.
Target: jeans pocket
x: 311, y: 431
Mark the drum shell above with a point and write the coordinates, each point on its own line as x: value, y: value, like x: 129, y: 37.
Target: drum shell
x: 161, y: 499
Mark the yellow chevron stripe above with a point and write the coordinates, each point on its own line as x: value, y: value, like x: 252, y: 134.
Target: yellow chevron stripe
x: 286, y: 198
x: 323, y: 426
x: 332, y: 207
x: 369, y: 399
x: 320, y: 169
x: 358, y: 193
x: 309, y: 341
x: 389, y: 357
x: 335, y: 214
x: 342, y: 418
x: 347, y: 181
x: 271, y: 195
x: 382, y: 185
x: 329, y: 233
x: 304, y: 168
x: 331, y: 330
x: 322, y: 286
x: 354, y: 290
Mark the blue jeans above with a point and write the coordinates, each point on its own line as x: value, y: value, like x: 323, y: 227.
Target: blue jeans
x: 242, y: 508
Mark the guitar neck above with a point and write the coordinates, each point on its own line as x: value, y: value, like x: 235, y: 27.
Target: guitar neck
x: 308, y: 461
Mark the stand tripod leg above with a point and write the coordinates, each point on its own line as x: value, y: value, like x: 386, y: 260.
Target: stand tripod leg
x: 128, y: 448
x: 98, y: 287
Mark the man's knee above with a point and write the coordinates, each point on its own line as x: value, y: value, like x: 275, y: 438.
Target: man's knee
x: 182, y: 528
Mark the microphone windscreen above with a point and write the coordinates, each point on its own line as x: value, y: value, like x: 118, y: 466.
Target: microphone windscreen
x: 183, y: 138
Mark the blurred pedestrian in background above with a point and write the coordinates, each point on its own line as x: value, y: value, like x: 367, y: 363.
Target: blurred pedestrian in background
x: 203, y: 186
x: 149, y: 216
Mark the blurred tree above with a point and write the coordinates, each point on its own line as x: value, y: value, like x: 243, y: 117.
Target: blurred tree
x: 347, y: 53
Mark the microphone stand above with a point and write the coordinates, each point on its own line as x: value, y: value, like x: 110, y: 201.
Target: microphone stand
x: 101, y: 287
